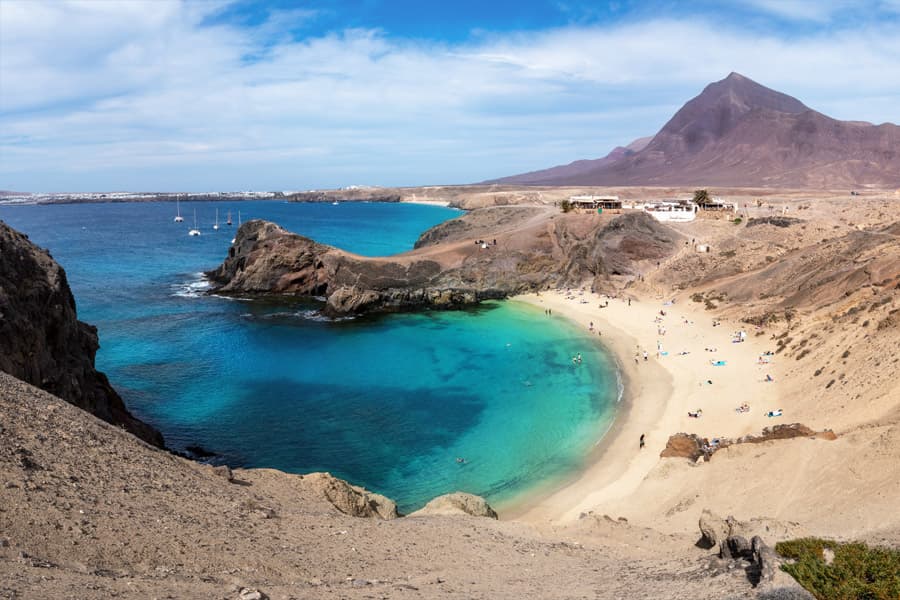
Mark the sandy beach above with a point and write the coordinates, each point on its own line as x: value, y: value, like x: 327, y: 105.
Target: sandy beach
x: 677, y: 377
x: 424, y: 201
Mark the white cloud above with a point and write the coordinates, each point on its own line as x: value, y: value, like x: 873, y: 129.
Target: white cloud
x: 108, y: 95
x: 801, y: 10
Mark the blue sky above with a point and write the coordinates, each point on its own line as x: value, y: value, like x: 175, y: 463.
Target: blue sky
x: 231, y: 95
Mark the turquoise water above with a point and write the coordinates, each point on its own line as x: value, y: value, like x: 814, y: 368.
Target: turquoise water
x: 389, y: 402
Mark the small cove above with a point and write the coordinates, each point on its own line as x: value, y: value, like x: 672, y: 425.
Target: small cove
x: 389, y: 402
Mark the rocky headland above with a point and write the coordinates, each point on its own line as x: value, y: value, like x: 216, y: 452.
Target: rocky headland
x: 490, y: 253
x: 42, y: 341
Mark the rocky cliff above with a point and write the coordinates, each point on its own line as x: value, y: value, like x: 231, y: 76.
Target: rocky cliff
x: 42, y: 341
x: 487, y: 254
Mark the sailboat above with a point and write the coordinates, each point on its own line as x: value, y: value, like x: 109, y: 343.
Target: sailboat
x: 194, y: 231
x: 216, y: 226
x: 228, y: 222
x: 178, y: 217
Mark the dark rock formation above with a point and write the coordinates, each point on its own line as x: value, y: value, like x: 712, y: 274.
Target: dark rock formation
x: 765, y: 559
x: 738, y: 547
x: 513, y: 252
x: 42, y: 341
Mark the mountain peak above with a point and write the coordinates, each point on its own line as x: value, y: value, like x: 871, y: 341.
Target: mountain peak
x: 747, y: 95
x: 738, y: 132
x: 722, y: 104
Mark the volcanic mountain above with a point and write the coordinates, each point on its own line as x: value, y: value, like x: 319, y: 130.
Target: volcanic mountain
x: 740, y: 133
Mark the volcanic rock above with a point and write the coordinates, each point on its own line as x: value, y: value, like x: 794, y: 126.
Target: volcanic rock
x: 42, y: 341
x: 490, y: 253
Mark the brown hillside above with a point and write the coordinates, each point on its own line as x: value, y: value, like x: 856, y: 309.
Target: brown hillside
x: 740, y: 133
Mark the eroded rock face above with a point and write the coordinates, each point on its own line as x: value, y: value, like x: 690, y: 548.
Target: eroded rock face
x: 42, y: 341
x: 350, y: 499
x: 458, y: 503
x: 456, y: 264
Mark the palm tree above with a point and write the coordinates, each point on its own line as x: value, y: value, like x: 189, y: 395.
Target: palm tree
x: 701, y: 197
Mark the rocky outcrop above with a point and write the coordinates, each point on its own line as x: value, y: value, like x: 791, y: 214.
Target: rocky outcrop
x: 458, y: 503
x: 449, y: 269
x: 692, y: 446
x: 42, y: 341
x: 267, y: 259
x: 684, y: 445
x: 350, y: 499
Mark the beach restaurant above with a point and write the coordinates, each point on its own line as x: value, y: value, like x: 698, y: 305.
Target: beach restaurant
x: 595, y: 202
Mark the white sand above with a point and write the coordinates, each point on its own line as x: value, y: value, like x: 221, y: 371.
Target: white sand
x: 428, y: 202
x: 659, y: 392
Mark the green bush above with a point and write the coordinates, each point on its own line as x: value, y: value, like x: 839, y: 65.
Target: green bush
x: 857, y: 571
x: 566, y: 206
x: 738, y: 221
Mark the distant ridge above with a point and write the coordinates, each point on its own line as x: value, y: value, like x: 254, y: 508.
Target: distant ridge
x: 578, y: 167
x: 740, y: 133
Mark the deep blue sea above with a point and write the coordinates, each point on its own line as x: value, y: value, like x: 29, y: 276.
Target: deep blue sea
x: 389, y: 402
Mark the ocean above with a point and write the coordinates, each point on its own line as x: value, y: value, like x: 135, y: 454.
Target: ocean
x: 389, y: 402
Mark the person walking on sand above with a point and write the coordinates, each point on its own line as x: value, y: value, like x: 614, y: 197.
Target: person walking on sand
x: 642, y: 441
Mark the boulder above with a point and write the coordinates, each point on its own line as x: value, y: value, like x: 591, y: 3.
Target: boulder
x: 458, y: 503
x: 713, y: 529
x: 764, y: 558
x: 684, y: 445
x: 738, y: 547
x: 350, y: 499
x: 251, y: 594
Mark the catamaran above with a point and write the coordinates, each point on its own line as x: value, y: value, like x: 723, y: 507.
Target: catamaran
x: 216, y: 226
x: 228, y: 222
x: 178, y: 217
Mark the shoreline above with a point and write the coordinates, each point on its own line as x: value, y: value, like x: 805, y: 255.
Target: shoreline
x: 443, y: 203
x: 540, y: 505
x: 658, y: 394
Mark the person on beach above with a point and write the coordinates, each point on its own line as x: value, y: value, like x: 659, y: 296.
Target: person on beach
x: 642, y: 441
x: 645, y: 356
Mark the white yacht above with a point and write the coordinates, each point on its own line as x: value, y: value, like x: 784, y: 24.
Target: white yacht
x: 194, y: 231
